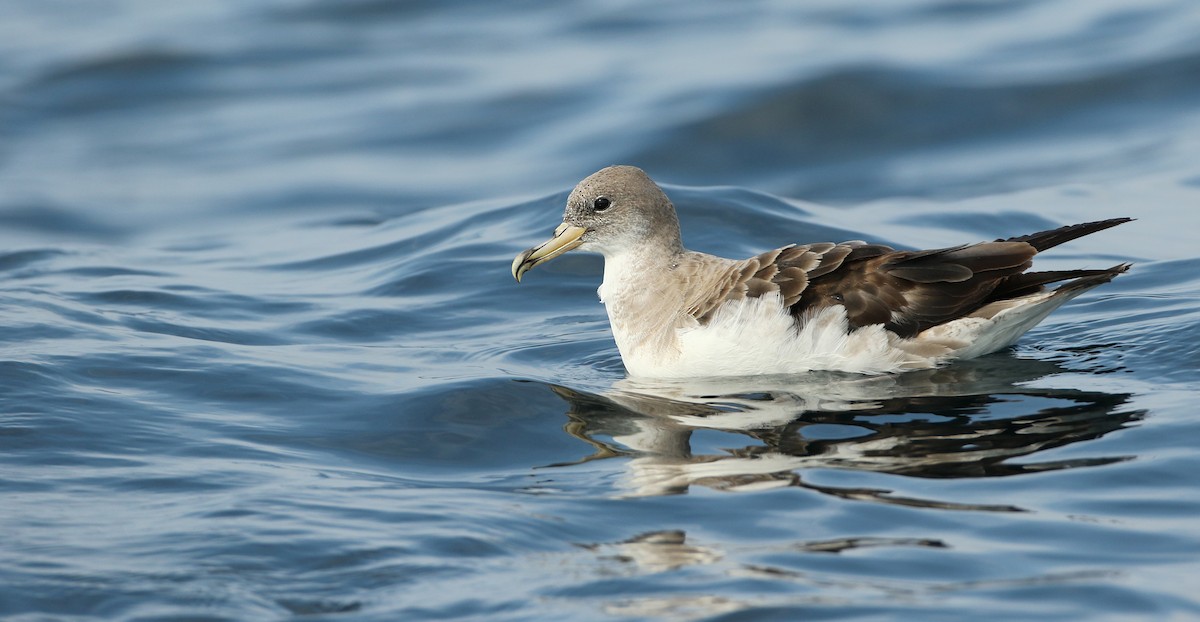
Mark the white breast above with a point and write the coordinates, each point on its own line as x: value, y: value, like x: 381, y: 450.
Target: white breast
x: 759, y: 336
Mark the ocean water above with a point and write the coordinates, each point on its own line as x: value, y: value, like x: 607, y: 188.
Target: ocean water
x: 261, y: 356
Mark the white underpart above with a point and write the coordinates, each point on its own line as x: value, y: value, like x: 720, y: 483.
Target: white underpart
x: 755, y: 336
x: 758, y: 336
x: 999, y: 324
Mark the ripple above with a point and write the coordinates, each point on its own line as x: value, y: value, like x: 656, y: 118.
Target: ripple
x: 263, y: 357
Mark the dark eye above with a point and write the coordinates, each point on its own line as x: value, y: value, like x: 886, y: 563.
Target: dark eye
x: 601, y: 204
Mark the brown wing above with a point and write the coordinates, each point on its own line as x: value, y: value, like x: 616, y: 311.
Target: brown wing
x: 786, y: 271
x: 909, y: 291
x: 906, y: 291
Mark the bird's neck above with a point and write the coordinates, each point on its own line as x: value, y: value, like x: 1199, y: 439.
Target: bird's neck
x: 628, y: 274
x: 643, y: 301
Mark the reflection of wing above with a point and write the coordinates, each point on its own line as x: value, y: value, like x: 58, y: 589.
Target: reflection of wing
x: 966, y: 421
x: 659, y: 551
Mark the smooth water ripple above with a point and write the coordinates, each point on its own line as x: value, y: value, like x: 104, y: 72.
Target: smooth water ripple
x: 263, y: 359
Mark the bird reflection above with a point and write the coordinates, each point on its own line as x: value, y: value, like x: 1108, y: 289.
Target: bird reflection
x: 658, y: 551
x: 969, y: 420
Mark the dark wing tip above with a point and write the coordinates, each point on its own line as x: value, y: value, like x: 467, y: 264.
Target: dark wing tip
x: 1043, y: 240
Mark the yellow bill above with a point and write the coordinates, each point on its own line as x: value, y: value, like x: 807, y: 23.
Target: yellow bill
x: 566, y: 237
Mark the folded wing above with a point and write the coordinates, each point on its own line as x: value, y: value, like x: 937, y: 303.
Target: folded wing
x: 906, y: 291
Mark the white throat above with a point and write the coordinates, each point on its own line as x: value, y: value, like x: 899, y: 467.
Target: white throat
x: 644, y: 304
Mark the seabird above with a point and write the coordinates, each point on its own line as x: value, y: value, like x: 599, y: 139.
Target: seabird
x: 851, y: 307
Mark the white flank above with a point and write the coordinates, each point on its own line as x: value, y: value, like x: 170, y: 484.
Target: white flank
x: 757, y: 336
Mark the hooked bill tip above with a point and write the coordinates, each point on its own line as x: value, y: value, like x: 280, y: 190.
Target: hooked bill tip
x: 518, y: 266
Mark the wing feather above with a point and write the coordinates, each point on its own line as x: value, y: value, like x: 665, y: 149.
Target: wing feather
x: 785, y: 271
x: 906, y: 291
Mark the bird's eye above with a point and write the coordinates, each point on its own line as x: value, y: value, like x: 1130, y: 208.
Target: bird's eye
x: 601, y: 204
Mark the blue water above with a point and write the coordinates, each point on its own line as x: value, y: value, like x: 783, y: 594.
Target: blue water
x: 262, y: 357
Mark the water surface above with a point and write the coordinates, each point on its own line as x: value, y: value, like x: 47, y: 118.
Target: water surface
x: 262, y: 357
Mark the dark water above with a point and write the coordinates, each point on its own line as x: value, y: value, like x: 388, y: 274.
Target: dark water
x: 262, y: 357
